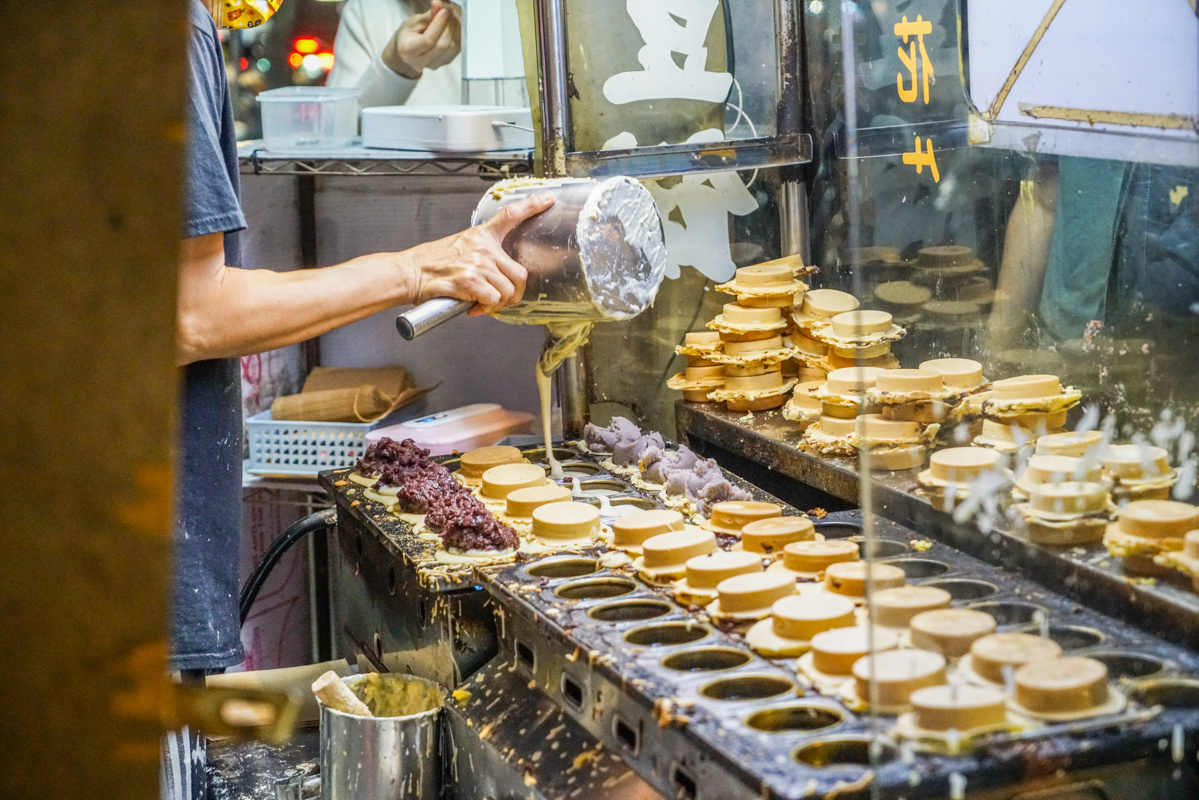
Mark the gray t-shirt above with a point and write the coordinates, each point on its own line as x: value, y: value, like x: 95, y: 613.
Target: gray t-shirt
x: 205, y: 630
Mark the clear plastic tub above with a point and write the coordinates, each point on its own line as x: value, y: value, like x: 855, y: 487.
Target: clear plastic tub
x: 309, y: 118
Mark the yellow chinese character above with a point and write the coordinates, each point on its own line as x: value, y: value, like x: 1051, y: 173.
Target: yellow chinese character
x: 918, y: 29
x: 923, y: 158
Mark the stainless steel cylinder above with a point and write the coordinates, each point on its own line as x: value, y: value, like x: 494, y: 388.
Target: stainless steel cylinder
x: 597, y: 254
x: 381, y: 758
x: 428, y: 315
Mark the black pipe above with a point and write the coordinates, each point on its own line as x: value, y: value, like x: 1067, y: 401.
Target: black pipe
x: 321, y: 520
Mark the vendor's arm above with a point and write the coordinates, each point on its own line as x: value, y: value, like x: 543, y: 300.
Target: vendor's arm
x: 387, y: 75
x: 1025, y: 256
x: 223, y: 311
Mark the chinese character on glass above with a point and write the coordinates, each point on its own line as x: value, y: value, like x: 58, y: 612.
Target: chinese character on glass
x: 695, y: 213
x: 670, y: 28
x: 923, y: 158
x: 918, y: 29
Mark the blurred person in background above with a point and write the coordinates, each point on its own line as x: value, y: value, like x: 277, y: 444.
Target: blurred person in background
x: 1094, y: 243
x: 400, y: 52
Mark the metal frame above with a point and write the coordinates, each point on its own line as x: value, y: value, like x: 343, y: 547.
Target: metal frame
x: 790, y: 145
x: 486, y: 168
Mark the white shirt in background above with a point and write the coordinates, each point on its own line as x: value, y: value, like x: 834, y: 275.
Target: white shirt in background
x: 366, y: 28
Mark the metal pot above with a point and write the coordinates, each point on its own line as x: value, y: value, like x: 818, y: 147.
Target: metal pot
x: 381, y: 758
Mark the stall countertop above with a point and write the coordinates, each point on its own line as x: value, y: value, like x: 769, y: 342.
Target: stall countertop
x: 248, y: 770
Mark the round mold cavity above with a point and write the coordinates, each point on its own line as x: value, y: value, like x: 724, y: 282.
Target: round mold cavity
x: 1010, y: 612
x: 707, y: 659
x: 1168, y: 693
x: 1075, y: 637
x: 452, y: 464
x: 845, y: 751
x: 879, y: 548
x: 609, y: 486
x: 555, y: 568
x: 919, y: 568
x: 747, y: 687
x: 792, y: 718
x: 596, y: 588
x: 580, y: 469
x: 666, y: 634
x: 537, y: 454
x: 643, y: 503
x: 839, y: 529
x: 630, y: 610
x: 966, y: 588
x: 1132, y: 666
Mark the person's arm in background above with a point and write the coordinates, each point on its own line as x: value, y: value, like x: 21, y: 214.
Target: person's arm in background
x: 224, y: 311
x: 387, y: 72
x: 1025, y: 256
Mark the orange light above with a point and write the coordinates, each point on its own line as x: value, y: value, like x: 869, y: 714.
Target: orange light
x: 306, y: 45
x: 295, y: 59
x: 326, y: 60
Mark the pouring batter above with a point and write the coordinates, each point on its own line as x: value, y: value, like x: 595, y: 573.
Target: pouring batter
x: 599, y: 256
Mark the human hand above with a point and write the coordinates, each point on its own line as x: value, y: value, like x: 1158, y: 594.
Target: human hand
x: 425, y: 41
x: 472, y: 265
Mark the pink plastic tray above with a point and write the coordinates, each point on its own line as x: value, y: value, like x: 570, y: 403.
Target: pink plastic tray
x: 460, y: 429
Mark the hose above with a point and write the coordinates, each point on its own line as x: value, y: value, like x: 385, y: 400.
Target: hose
x: 321, y: 520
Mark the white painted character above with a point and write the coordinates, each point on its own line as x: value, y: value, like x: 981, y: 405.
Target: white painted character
x: 694, y: 211
x: 671, y: 28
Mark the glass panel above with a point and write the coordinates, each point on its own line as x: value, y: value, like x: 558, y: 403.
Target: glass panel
x: 630, y: 362
x: 645, y: 74
x: 1053, y: 249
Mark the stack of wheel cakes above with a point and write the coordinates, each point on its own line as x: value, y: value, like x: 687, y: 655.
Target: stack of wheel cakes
x: 1066, y: 497
x: 954, y: 473
x: 829, y: 322
x: 751, y: 330
x: 702, y: 375
x: 957, y: 280
x: 876, y: 266
x: 1028, y: 407
x: 857, y: 350
x: 842, y: 398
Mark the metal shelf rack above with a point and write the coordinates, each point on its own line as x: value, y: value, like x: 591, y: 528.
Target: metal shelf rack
x: 362, y: 162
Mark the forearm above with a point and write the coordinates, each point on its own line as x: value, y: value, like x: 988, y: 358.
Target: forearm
x: 1026, y: 252
x: 380, y: 86
x: 1022, y: 271
x: 252, y: 311
x: 224, y: 312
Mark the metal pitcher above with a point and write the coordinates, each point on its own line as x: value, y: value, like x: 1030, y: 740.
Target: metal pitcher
x: 381, y: 758
x: 598, y: 254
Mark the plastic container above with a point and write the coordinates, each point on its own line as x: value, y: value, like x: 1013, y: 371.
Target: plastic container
x: 309, y: 118
x: 304, y: 448
x: 460, y: 429
x: 448, y: 129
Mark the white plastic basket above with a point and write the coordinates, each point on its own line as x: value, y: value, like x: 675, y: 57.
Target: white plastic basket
x: 304, y: 448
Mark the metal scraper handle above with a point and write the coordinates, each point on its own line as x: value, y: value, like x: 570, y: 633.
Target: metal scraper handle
x: 429, y: 315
